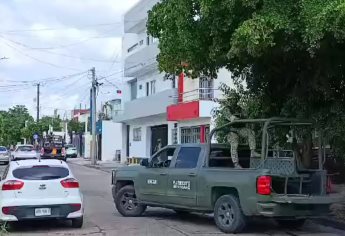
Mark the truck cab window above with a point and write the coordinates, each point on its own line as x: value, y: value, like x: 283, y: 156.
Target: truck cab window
x: 163, y: 158
x: 188, y: 157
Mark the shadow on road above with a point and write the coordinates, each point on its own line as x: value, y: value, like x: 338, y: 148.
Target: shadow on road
x: 39, y: 226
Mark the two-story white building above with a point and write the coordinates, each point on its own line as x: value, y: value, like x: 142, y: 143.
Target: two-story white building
x: 157, y: 111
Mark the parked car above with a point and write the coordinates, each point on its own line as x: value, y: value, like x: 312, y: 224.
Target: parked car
x: 71, y: 151
x: 4, y: 155
x: 42, y: 189
x: 24, y: 152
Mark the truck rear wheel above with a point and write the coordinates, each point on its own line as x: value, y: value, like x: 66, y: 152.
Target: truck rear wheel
x: 228, y: 214
x: 292, y: 224
x: 127, y: 203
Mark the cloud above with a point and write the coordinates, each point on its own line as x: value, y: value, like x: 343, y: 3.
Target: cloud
x: 54, y: 38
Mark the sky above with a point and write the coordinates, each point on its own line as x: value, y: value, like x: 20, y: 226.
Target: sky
x: 55, y: 43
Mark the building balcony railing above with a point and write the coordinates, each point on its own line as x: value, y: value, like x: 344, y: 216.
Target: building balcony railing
x: 193, y: 104
x: 201, y: 94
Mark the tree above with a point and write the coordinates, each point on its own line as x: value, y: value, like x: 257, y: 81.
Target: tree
x: 12, y: 123
x: 75, y: 126
x: 290, y: 53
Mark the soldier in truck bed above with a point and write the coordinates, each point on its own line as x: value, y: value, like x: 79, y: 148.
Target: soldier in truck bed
x: 237, y: 131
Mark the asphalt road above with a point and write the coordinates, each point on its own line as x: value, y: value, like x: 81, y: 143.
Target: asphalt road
x: 101, y: 218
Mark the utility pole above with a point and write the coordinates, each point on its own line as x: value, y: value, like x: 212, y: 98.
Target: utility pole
x: 93, y: 116
x: 38, y: 102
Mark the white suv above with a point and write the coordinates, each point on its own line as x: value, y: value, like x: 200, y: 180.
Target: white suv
x: 40, y: 189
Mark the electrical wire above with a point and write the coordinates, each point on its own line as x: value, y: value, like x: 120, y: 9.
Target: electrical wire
x: 39, y: 60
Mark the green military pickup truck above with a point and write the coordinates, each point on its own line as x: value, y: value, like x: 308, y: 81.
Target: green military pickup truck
x: 203, y: 178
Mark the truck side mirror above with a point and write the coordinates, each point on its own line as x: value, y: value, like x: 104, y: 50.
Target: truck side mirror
x: 144, y: 162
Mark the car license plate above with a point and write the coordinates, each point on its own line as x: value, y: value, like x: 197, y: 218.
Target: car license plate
x: 43, y: 212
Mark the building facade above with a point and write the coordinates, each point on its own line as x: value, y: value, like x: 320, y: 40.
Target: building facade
x: 156, y: 110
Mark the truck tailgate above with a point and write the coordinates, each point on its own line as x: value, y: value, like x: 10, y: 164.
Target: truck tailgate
x: 305, y: 199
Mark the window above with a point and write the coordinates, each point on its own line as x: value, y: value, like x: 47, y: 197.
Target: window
x: 190, y: 135
x: 133, y: 86
x: 207, y: 133
x: 3, y: 149
x: 137, y: 134
x: 153, y: 86
x: 40, y: 173
x: 154, y: 40
x: 25, y: 148
x: 150, y: 87
x: 174, y: 136
x: 162, y: 158
x: 173, y: 82
x: 188, y: 157
x: 147, y: 89
x: 206, y: 88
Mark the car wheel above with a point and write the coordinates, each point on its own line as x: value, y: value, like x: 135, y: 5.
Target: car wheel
x: 228, y: 214
x: 77, y: 222
x: 127, y: 203
x: 292, y: 224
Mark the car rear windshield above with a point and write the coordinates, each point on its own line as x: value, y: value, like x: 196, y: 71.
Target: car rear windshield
x: 40, y: 173
x: 2, y: 149
x: 25, y: 149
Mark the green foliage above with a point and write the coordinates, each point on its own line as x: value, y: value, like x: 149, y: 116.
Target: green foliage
x: 75, y: 126
x: 290, y: 53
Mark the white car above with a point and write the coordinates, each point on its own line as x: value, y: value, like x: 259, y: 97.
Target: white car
x: 71, y: 151
x: 40, y: 189
x: 4, y: 155
x: 23, y: 152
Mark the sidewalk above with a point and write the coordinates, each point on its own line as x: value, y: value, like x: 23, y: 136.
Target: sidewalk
x: 106, y: 166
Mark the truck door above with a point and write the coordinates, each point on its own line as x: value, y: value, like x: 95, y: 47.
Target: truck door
x: 182, y: 176
x: 152, y: 181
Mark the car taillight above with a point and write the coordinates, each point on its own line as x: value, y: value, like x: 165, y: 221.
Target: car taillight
x: 263, y: 185
x: 75, y: 206
x: 12, y: 185
x: 42, y: 151
x: 63, y: 151
x: 70, y: 183
x: 8, y: 210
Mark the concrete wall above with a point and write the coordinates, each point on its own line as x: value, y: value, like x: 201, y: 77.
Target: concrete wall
x: 143, y: 148
x: 111, y: 139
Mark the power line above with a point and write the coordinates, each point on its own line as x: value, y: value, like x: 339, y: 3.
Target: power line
x: 48, y: 79
x: 39, y: 60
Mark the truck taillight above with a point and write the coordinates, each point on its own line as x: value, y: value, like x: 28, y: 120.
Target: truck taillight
x: 264, y: 185
x: 70, y: 183
x: 329, y: 185
x: 12, y: 185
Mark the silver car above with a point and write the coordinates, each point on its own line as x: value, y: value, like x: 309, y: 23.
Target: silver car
x: 23, y: 152
x: 4, y: 155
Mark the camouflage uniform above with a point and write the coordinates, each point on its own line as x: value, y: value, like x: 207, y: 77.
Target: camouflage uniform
x: 233, y: 139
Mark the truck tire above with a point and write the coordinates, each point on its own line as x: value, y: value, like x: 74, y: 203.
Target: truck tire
x: 291, y: 224
x: 228, y: 214
x: 127, y: 204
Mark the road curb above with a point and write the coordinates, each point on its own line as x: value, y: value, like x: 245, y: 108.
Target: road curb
x: 92, y: 166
